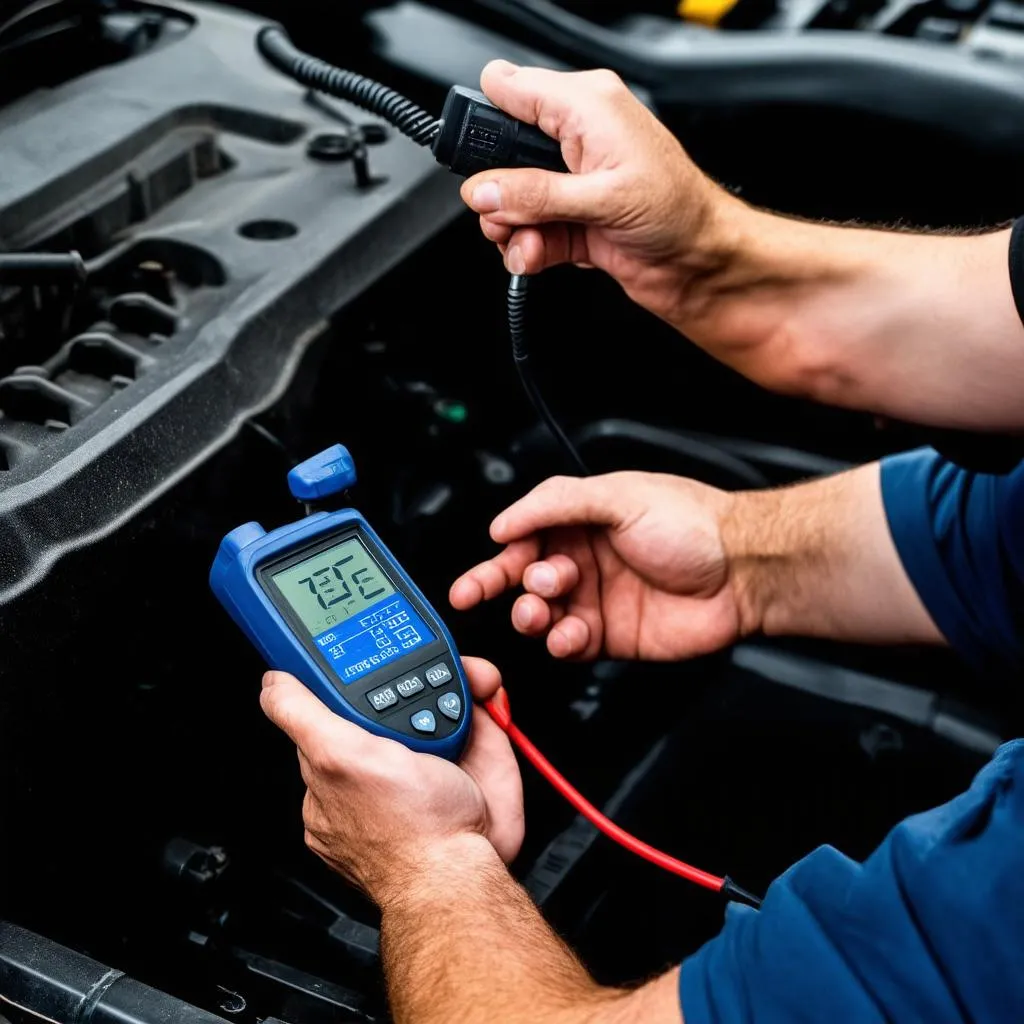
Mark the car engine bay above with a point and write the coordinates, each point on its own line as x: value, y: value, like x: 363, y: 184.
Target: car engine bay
x: 272, y: 271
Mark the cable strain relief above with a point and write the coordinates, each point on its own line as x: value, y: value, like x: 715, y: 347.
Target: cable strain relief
x: 734, y: 894
x: 273, y: 26
x: 517, y: 286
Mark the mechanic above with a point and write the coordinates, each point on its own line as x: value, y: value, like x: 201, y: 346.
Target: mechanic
x: 635, y: 565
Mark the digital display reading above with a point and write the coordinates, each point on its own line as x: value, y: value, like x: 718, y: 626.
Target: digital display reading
x: 331, y: 587
x: 353, y: 613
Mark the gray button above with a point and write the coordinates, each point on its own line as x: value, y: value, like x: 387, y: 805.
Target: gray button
x: 383, y: 698
x: 423, y: 721
x: 438, y: 674
x: 410, y: 685
x: 450, y: 705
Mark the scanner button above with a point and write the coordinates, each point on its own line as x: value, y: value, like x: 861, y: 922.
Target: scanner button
x: 383, y: 698
x: 439, y: 674
x: 450, y: 705
x: 423, y: 721
x: 410, y: 685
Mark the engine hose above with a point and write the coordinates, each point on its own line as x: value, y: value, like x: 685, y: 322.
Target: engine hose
x: 401, y: 113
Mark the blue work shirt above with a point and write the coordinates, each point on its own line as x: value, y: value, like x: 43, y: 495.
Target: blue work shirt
x: 930, y: 927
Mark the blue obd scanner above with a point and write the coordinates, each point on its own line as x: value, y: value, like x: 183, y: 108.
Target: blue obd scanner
x: 324, y: 599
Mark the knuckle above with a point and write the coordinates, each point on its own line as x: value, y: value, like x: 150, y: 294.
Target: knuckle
x: 557, y: 484
x: 606, y: 83
x: 323, y: 762
x: 268, y: 703
x: 554, y: 490
x: 533, y: 194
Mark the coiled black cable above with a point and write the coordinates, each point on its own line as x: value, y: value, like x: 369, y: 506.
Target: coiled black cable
x: 521, y: 355
x: 411, y: 120
x: 401, y: 113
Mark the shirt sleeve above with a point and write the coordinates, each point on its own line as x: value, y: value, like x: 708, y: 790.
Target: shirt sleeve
x: 929, y: 928
x: 960, y: 537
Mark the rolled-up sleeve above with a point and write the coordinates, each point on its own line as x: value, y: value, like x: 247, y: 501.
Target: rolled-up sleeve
x: 960, y: 536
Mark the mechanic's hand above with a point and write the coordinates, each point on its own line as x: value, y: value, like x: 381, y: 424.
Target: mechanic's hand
x: 373, y: 807
x: 635, y: 205
x: 629, y: 564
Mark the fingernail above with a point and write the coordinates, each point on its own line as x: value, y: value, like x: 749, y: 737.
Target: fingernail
x: 498, y: 526
x: 503, y: 67
x: 543, y: 579
x: 268, y: 679
x: 515, y: 260
x: 523, y: 615
x: 486, y: 197
x: 558, y: 645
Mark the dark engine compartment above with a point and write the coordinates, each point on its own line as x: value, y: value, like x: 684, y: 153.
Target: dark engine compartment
x: 252, y: 303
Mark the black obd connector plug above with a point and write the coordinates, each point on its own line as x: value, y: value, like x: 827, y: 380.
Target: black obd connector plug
x: 475, y: 136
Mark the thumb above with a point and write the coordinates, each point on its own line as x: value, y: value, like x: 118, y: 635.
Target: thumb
x: 311, y: 726
x: 530, y: 196
x: 484, y: 678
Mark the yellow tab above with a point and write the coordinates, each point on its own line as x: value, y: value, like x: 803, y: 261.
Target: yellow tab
x: 705, y: 12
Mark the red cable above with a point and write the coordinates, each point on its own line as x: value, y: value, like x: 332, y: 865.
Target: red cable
x: 499, y: 710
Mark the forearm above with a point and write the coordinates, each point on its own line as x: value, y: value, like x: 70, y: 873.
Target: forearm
x: 817, y: 559
x: 918, y: 327
x: 462, y: 942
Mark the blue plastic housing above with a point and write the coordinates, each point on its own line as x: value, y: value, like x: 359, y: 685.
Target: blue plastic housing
x: 234, y: 580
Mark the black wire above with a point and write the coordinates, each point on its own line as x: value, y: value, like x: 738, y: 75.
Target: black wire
x: 274, y: 441
x: 274, y: 45
x: 521, y: 355
x: 411, y: 120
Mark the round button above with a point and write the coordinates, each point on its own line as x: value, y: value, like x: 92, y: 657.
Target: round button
x: 450, y: 705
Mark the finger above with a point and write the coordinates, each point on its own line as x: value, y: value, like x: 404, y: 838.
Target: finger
x: 570, y: 638
x: 554, y: 576
x: 526, y: 195
x: 313, y: 728
x: 533, y: 249
x: 489, y: 760
x: 563, y: 501
x: 484, y: 678
x: 493, y: 577
x: 488, y: 743
x: 497, y: 233
x: 584, y: 600
x: 549, y: 99
x: 531, y: 615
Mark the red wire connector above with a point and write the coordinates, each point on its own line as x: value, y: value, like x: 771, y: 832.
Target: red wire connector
x: 499, y: 709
